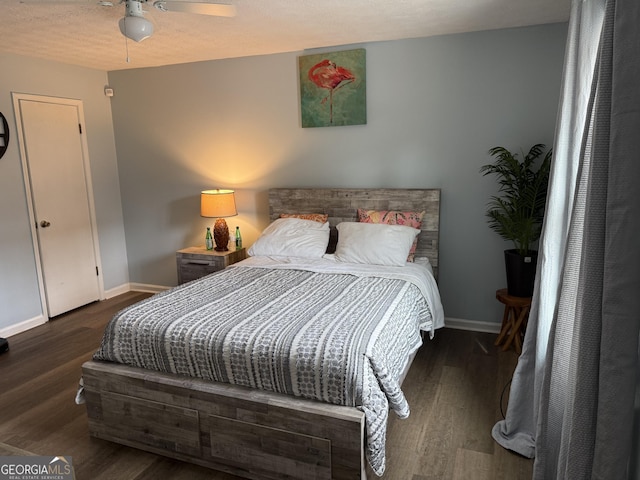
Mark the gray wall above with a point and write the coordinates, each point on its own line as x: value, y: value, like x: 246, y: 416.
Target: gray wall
x: 19, y: 295
x: 435, y: 106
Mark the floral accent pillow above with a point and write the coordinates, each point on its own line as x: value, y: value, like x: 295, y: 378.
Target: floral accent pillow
x: 316, y: 217
x: 394, y: 217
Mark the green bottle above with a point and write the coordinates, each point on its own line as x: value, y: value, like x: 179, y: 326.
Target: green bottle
x: 238, y: 239
x: 208, y: 239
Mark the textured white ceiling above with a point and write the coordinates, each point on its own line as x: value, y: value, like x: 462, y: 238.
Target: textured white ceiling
x: 81, y: 32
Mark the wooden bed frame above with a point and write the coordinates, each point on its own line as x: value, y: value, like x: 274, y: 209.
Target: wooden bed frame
x: 249, y: 433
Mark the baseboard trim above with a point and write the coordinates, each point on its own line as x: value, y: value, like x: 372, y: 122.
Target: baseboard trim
x: 472, y: 325
x: 114, y: 292
x: 148, y: 288
x: 134, y: 287
x: 23, y: 326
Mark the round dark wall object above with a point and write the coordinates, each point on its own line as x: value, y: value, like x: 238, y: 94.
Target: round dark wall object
x: 4, y: 134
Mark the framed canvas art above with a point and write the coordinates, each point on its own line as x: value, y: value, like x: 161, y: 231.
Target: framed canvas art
x: 333, y: 89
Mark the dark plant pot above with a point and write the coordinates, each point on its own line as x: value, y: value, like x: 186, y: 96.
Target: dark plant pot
x: 521, y: 272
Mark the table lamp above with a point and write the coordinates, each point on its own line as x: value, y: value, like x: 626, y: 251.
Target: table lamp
x: 218, y: 204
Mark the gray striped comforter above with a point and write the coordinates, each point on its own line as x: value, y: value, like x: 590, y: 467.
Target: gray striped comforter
x: 339, y: 338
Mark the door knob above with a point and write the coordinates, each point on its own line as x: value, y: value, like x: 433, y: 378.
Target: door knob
x: 44, y: 224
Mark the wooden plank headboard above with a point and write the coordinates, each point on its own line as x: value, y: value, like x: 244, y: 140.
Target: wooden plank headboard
x: 341, y: 204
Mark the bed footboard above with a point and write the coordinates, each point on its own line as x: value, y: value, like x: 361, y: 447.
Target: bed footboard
x: 249, y: 433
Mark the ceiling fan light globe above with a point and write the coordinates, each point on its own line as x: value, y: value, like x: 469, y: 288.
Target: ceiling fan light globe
x: 136, y: 28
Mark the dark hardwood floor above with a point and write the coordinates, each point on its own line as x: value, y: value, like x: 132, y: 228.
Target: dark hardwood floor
x: 453, y: 388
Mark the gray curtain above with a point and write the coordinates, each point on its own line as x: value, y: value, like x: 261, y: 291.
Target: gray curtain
x: 573, y: 392
x: 517, y: 431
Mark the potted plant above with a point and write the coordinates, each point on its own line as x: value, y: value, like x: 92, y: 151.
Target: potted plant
x: 517, y: 213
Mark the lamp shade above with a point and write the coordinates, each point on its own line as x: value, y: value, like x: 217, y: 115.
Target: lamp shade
x: 135, y: 28
x: 217, y: 203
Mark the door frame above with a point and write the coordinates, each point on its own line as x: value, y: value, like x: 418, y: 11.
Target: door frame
x: 17, y: 97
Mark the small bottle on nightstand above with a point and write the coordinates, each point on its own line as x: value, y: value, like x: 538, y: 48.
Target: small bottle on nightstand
x: 208, y: 239
x: 238, y: 239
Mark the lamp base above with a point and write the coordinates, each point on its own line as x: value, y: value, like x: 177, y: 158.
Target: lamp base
x: 221, y: 235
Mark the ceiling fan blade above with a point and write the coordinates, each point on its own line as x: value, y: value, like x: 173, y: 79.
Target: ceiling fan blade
x: 202, y: 8
x: 103, y: 3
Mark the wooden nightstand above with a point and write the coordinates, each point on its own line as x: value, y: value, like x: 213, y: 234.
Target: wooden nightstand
x: 196, y: 262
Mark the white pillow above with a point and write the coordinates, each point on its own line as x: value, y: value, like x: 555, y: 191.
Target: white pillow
x: 374, y: 243
x: 292, y: 237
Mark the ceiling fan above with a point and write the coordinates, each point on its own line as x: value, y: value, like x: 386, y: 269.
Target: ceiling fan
x: 134, y: 26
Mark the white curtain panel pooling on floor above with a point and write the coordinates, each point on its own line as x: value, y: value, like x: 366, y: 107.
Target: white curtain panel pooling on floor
x: 572, y: 396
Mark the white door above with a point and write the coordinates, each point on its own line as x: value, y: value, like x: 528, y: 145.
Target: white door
x: 54, y: 152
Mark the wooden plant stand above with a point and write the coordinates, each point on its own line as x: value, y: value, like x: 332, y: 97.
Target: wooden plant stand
x: 514, y: 320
